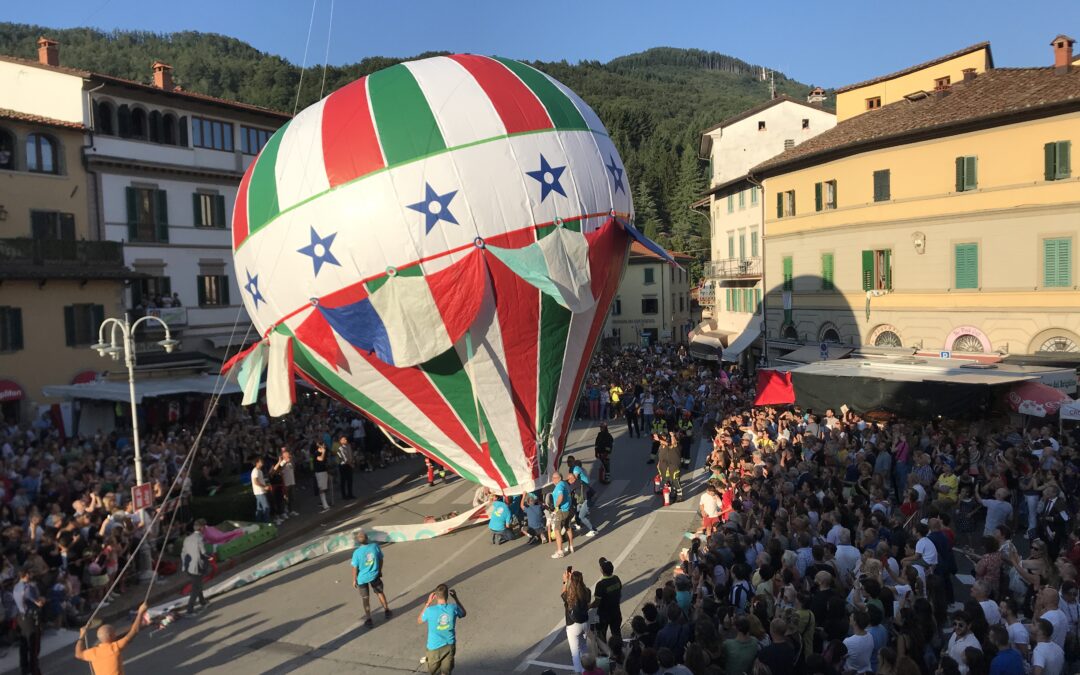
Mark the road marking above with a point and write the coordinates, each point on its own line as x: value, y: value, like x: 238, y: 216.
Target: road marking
x: 554, y: 633
x: 449, y: 559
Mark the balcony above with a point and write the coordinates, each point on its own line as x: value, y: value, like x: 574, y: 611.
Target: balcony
x: 27, y: 258
x: 734, y: 268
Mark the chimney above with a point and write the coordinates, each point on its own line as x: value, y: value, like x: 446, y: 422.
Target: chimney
x: 1063, y: 52
x: 163, y: 76
x: 969, y: 74
x: 48, y: 51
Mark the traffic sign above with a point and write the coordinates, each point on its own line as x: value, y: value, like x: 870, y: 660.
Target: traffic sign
x: 142, y: 496
x: 824, y: 351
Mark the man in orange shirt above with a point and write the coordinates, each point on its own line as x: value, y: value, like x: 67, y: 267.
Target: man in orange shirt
x: 105, y: 657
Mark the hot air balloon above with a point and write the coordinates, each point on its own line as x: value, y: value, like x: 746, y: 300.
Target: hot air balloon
x: 437, y: 245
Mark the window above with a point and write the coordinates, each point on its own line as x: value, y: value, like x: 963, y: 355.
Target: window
x: 825, y: 195
x: 805, y: 123
x: 52, y: 225
x: 742, y: 244
x: 209, y: 209
x: 788, y: 273
x: 170, y: 134
x: 649, y: 275
x: 753, y: 244
x: 888, y: 338
x: 761, y: 126
x: 966, y: 168
x: 731, y: 244
x: 252, y: 140
x: 148, y: 215
x: 830, y: 335
x: 41, y: 154
x: 1057, y: 160
x: 151, y: 289
x: 1057, y: 262
x: 616, y: 307
x: 753, y: 196
x: 731, y: 203
x: 103, y: 119
x: 742, y: 199
x: 211, y: 134
x: 877, y: 270
x: 785, y: 204
x: 650, y: 306
x: 7, y: 150
x: 827, y: 272
x: 11, y: 334
x: 682, y: 303
x: 156, y: 128
x: 213, y: 290
x: 137, y: 126
x: 873, y: 103
x: 789, y: 143
x: 942, y: 83
x: 966, y: 258
x: 81, y: 323
x: 882, y: 186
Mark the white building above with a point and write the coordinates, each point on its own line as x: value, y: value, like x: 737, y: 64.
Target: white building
x: 163, y: 169
x: 734, y: 281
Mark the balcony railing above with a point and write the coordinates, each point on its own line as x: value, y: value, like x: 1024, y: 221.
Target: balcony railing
x: 734, y: 268
x: 27, y: 251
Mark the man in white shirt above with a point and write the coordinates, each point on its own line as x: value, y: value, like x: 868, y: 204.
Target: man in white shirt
x: 961, y: 639
x: 998, y: 510
x: 1019, y: 637
x: 193, y: 562
x: 1048, y: 600
x: 980, y: 592
x: 1048, y: 658
x: 288, y: 481
x: 847, y: 557
x: 260, y: 489
x: 859, y: 645
x: 924, y: 547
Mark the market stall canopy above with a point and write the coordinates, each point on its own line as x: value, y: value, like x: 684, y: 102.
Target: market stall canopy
x: 708, y: 345
x: 736, y: 347
x: 1036, y: 399
x: 774, y: 387
x: 149, y: 388
x: 812, y: 354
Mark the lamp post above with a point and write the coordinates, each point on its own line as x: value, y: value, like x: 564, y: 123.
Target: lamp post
x: 111, y: 348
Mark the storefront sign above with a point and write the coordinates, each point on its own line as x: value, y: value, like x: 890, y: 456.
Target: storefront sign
x: 142, y: 496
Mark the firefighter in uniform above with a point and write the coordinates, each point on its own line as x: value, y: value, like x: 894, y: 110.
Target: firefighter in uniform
x: 668, y: 464
x: 659, y: 432
x: 686, y: 438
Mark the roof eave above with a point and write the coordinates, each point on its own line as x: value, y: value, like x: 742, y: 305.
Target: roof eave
x: 919, y: 66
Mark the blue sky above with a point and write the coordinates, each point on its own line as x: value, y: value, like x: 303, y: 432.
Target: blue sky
x: 830, y: 43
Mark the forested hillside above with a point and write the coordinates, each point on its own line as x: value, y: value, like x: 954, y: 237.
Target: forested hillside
x: 654, y: 103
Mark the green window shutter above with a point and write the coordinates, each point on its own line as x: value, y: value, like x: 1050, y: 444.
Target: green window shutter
x: 1064, y: 168
x: 779, y: 204
x: 1049, y: 163
x: 886, y: 256
x: 69, y: 325
x: 132, y: 213
x: 223, y: 284
x: 219, y: 210
x: 196, y: 209
x: 757, y: 300
x: 200, y: 288
x: 97, y: 317
x: 753, y: 196
x: 792, y: 202
x: 835, y: 195
x: 959, y: 174
x: 731, y: 245
x: 788, y: 273
x: 15, y: 328
x: 817, y: 196
x: 967, y: 265
x: 731, y: 203
x: 742, y: 245
x: 1057, y: 262
x: 1065, y: 262
x: 753, y: 244
x: 971, y: 179
x: 867, y: 270
x: 827, y: 271
x: 1049, y: 262
x: 162, y: 212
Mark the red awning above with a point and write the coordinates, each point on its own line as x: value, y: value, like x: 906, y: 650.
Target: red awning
x: 84, y: 377
x: 9, y: 391
x: 774, y: 388
x: 1036, y: 399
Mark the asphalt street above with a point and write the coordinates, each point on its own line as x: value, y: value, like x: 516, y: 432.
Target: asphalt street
x: 308, y: 619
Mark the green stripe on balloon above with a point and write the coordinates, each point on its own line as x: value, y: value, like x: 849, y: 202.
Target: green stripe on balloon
x: 403, y: 118
x: 262, y: 188
x: 304, y: 360
x: 560, y: 108
x: 451, y: 378
x: 496, y: 451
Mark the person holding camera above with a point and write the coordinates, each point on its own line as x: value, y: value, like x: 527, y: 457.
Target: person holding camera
x: 440, y: 613
x: 575, y: 596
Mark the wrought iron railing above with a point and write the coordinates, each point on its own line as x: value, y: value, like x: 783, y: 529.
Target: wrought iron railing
x: 25, y: 250
x: 734, y: 268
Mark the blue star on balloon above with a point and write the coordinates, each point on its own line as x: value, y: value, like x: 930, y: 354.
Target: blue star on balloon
x: 252, y: 287
x: 548, y: 177
x: 319, y: 250
x: 435, y: 207
x: 616, y: 174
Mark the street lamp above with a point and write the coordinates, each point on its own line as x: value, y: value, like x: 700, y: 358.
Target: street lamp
x: 114, y: 350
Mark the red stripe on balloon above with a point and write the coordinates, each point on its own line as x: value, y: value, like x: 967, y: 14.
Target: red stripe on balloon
x: 518, y: 307
x: 458, y: 291
x: 240, y: 214
x: 515, y: 103
x: 347, y: 120
x: 607, y: 257
x: 414, y: 384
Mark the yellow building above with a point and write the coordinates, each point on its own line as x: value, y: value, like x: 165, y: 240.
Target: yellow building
x: 56, y: 284
x: 945, y: 220
x: 653, y: 303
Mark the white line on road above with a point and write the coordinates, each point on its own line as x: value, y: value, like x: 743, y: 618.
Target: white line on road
x: 553, y: 634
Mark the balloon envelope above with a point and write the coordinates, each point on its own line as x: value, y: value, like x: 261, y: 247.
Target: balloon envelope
x: 442, y: 239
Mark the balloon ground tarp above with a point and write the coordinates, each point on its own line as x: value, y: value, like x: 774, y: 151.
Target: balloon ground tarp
x: 437, y: 245
x: 331, y: 543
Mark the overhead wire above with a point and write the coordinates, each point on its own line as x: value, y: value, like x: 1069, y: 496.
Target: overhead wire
x: 326, y: 57
x: 303, y: 67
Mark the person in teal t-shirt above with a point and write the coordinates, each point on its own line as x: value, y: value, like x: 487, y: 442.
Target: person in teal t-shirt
x: 499, y: 522
x: 560, y: 501
x: 367, y: 575
x: 441, y: 615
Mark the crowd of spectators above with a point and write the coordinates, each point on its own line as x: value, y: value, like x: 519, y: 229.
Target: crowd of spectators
x: 832, y: 543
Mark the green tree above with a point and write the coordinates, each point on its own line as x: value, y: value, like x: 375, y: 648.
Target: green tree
x: 646, y: 216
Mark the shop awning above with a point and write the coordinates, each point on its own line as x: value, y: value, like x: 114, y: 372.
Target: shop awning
x: 9, y: 391
x: 736, y: 347
x: 144, y: 388
x: 774, y: 387
x: 812, y: 354
x: 708, y: 345
x: 1036, y: 399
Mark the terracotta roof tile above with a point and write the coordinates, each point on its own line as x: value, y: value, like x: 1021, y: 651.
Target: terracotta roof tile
x: 639, y: 250
x: 6, y: 114
x: 992, y: 98
x: 919, y: 66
